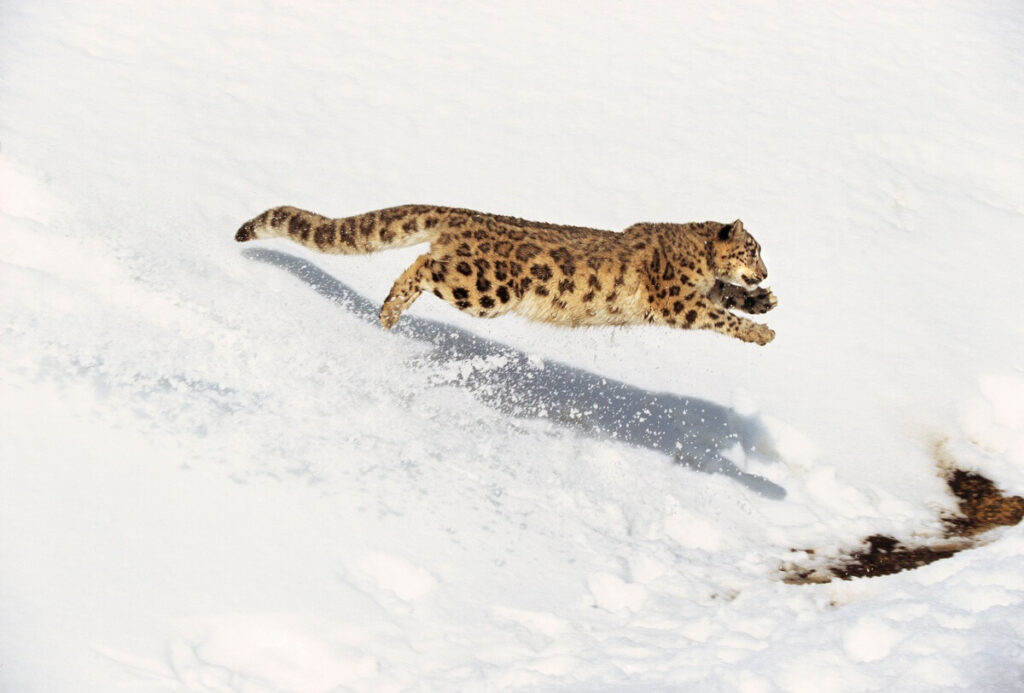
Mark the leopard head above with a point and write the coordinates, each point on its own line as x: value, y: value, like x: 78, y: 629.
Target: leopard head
x: 736, y: 256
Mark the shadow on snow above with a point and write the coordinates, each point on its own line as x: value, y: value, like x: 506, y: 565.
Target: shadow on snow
x: 693, y: 432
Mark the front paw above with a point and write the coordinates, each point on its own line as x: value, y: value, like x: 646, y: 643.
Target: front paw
x: 759, y: 301
x: 761, y: 334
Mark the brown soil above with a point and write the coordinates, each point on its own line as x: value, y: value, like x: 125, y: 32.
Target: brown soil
x: 981, y: 507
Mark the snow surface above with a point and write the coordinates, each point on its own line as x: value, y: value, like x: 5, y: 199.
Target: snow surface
x: 219, y: 474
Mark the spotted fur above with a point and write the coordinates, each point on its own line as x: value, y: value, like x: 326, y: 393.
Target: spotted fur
x: 681, y: 275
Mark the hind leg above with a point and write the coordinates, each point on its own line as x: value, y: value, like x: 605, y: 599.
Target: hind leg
x: 407, y: 289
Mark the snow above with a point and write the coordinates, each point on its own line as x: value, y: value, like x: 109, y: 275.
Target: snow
x: 219, y: 474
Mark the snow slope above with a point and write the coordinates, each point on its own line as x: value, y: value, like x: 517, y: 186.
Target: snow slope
x: 219, y: 474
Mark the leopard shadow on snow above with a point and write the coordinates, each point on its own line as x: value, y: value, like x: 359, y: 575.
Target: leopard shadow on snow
x: 693, y: 432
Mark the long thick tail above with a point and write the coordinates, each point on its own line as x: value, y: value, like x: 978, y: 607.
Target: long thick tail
x: 395, y: 227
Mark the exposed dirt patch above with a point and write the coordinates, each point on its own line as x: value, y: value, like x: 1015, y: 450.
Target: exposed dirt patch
x: 981, y: 507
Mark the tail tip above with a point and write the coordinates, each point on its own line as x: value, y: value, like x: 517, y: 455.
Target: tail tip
x: 245, y: 233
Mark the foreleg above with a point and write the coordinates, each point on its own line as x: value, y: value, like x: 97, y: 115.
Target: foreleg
x: 702, y: 314
x: 759, y: 300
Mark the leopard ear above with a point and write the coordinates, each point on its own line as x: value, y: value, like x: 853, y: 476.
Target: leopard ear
x: 729, y: 230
